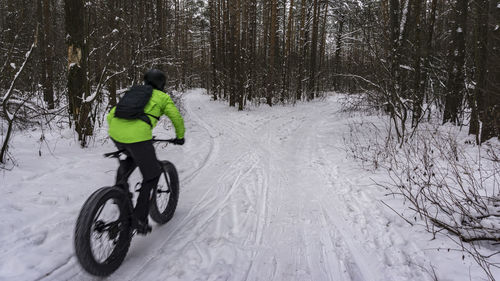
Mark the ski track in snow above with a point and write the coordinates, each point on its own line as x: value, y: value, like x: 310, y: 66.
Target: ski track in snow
x: 269, y: 196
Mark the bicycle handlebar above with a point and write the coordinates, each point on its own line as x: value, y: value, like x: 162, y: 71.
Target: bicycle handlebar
x: 161, y: 140
x: 116, y: 154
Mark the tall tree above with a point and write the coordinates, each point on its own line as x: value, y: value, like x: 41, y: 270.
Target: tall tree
x: 46, y: 53
x: 314, y: 48
x: 338, y: 48
x: 456, y: 85
x: 417, y: 90
x: 288, y: 47
x: 77, y: 69
x: 490, y: 97
x: 213, y: 47
x: 322, y: 46
x: 302, y: 49
x: 273, y: 45
x: 480, y: 8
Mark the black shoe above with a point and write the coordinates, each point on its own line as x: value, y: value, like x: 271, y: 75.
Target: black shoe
x: 142, y: 227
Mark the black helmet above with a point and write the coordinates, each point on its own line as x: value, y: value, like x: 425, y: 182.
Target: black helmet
x: 155, y: 78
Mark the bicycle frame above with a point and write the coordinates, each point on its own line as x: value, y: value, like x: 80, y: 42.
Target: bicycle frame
x: 124, y: 184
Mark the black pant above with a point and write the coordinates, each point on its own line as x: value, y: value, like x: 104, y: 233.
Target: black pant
x: 142, y: 155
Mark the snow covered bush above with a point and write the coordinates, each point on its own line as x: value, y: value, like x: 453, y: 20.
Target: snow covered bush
x: 368, y: 143
x: 451, y: 185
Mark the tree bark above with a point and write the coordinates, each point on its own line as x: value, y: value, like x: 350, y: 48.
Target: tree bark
x: 314, y: 43
x: 46, y: 50
x: 322, y: 48
x: 480, y: 54
x: 273, y: 36
x: 455, y: 85
x: 417, y: 91
x: 213, y: 48
x: 77, y: 67
x: 302, y: 49
x: 288, y: 48
x: 490, y: 98
x: 338, y: 49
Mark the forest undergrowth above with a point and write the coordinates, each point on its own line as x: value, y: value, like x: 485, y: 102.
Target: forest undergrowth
x: 450, y: 186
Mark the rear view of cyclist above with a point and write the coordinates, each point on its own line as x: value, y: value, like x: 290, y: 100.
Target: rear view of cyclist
x: 131, y: 125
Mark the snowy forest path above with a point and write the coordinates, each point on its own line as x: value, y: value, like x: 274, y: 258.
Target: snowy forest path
x: 266, y: 194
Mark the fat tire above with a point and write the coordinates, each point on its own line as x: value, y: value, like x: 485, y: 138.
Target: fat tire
x: 83, y: 232
x: 163, y: 216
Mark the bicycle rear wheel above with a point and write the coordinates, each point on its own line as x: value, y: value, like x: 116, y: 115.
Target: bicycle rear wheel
x: 103, y: 232
x: 165, y: 195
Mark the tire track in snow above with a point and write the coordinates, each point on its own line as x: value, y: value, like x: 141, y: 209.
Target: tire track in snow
x: 200, y: 221
x: 244, y: 136
x: 274, y: 177
x: 347, y: 248
x: 213, y: 144
x: 206, y: 199
x: 263, y: 210
x: 362, y: 223
x: 303, y: 141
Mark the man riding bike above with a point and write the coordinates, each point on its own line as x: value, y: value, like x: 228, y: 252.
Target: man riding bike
x: 133, y: 133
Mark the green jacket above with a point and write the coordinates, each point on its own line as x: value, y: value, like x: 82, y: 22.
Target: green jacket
x: 135, y: 130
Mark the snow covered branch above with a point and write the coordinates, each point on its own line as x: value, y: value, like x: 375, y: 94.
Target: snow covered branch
x: 10, y: 91
x: 451, y: 186
x: 5, y: 99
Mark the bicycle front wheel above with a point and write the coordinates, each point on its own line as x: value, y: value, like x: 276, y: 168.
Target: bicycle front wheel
x: 165, y: 195
x: 103, y: 232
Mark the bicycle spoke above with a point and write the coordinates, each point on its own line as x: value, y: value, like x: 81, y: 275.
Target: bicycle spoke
x: 163, y: 194
x: 99, y: 212
x: 105, y: 233
x: 168, y: 181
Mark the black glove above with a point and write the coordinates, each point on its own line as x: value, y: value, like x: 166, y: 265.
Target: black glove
x: 178, y: 141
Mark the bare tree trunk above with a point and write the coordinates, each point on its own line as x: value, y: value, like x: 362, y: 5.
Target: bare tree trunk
x: 111, y: 6
x: 47, y: 49
x: 314, y: 43
x: 227, y: 51
x: 221, y: 66
x: 455, y: 85
x: 161, y: 28
x: 213, y: 48
x: 418, y: 95
x: 302, y: 49
x: 322, y: 47
x: 232, y: 47
x: 243, y: 53
x: 177, y: 35
x: 490, y: 105
x: 394, y: 27
x: 252, y: 38
x: 288, y: 48
x: 272, y: 52
x: 338, y: 49
x: 77, y: 76
x: 238, y: 55
x: 480, y: 54
x: 428, y: 50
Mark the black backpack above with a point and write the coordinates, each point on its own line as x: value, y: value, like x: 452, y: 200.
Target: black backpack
x: 131, y: 105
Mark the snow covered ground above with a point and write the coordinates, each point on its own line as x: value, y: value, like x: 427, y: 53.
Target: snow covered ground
x: 266, y: 194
